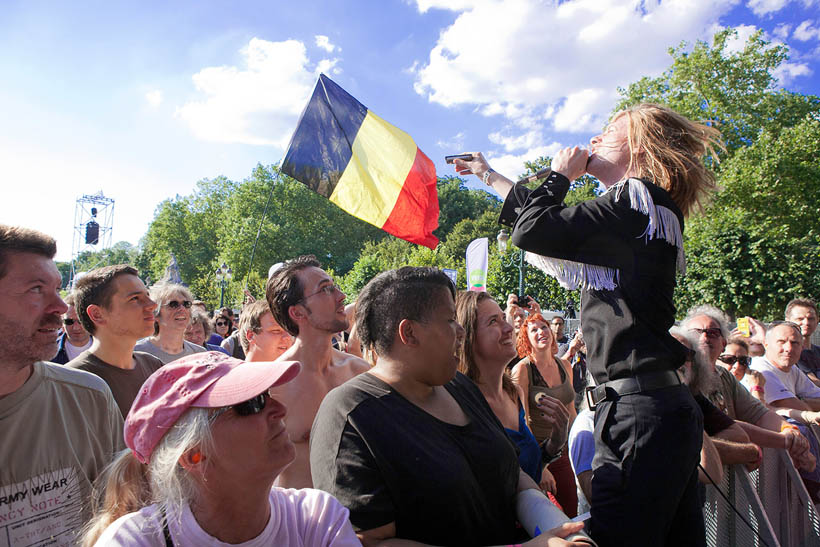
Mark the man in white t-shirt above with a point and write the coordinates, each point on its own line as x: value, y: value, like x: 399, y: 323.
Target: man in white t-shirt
x: 786, y: 385
x: 75, y: 339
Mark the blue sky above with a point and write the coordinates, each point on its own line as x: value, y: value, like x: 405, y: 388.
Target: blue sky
x: 143, y: 99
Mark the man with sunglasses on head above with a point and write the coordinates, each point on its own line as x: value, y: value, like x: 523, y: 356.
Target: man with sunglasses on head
x: 763, y: 426
x: 114, y: 305
x: 75, y: 338
x: 305, y: 301
x: 171, y: 317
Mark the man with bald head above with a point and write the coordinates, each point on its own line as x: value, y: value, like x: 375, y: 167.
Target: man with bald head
x: 786, y: 385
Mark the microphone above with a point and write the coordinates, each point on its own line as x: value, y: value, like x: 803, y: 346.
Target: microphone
x: 538, y: 175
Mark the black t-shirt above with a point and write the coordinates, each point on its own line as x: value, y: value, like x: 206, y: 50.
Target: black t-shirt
x: 714, y: 419
x: 810, y: 360
x: 387, y: 460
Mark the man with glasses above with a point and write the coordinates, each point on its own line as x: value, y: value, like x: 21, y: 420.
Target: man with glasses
x: 75, y: 338
x: 171, y: 317
x: 114, y: 305
x: 764, y: 427
x: 310, y: 306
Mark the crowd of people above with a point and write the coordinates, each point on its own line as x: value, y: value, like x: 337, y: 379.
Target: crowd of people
x: 420, y: 415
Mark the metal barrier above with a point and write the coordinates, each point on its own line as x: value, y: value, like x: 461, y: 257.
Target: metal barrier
x: 772, y: 499
x: 724, y: 528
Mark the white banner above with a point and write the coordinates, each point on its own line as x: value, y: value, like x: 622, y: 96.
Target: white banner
x: 477, y: 264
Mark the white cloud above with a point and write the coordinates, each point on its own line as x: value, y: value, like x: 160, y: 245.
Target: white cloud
x: 324, y: 43
x: 788, y: 71
x: 455, y: 143
x: 257, y: 103
x: 512, y: 165
x: 806, y: 31
x: 765, y: 7
x: 581, y: 112
x: 537, y: 63
x: 452, y: 5
x: 525, y: 141
x: 735, y: 44
x: 154, y: 98
x: 782, y: 30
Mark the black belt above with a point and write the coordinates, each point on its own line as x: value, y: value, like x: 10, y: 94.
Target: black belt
x: 627, y: 386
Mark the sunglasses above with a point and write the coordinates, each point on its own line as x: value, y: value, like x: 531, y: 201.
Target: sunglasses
x: 221, y: 323
x: 247, y: 408
x: 711, y: 332
x: 68, y: 322
x: 174, y: 304
x: 744, y: 360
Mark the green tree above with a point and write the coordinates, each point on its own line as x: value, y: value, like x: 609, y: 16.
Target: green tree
x: 457, y: 202
x: 737, y: 90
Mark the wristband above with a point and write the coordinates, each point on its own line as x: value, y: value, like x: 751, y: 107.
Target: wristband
x: 756, y: 388
x: 486, y: 177
x: 786, y: 425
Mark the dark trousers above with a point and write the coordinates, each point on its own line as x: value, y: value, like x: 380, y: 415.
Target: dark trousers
x: 644, y: 485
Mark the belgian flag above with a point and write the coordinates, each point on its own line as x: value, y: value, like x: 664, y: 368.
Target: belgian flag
x: 363, y: 164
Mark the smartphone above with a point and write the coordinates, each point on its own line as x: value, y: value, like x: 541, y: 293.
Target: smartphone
x: 743, y: 327
x: 451, y: 159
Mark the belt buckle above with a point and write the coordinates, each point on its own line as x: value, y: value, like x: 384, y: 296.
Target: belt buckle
x: 590, y: 399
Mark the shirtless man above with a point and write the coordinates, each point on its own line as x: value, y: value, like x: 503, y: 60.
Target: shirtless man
x: 307, y: 303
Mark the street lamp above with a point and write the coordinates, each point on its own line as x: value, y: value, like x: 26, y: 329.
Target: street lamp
x: 502, y: 238
x: 223, y: 275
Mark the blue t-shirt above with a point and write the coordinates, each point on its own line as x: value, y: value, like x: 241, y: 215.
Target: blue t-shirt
x: 529, y: 453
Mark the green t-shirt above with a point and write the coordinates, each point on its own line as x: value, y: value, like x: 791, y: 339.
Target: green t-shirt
x: 57, y: 433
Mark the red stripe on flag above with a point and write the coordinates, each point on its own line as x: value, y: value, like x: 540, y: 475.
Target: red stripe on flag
x: 415, y: 214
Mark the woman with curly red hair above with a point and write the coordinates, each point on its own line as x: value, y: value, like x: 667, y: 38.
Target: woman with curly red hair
x: 542, y: 372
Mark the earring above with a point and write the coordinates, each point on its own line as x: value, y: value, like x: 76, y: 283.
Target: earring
x: 196, y: 457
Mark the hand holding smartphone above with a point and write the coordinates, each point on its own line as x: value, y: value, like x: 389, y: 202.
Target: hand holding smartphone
x: 451, y: 159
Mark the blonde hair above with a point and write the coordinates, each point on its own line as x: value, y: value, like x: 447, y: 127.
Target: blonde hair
x: 667, y: 148
x: 126, y: 485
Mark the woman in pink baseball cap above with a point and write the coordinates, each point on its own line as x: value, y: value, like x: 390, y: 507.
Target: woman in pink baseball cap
x: 206, y: 443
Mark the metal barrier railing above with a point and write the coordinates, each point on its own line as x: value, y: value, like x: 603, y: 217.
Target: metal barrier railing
x: 772, y: 499
x: 724, y: 528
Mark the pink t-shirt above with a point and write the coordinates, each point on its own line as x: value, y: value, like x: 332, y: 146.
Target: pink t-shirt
x: 304, y: 517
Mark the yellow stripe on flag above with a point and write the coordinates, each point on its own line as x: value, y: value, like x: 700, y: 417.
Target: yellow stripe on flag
x: 371, y: 182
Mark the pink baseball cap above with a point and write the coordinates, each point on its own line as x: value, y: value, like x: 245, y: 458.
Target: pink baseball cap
x: 209, y: 379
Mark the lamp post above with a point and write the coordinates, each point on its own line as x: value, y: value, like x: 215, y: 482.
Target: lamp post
x: 502, y: 238
x: 223, y: 275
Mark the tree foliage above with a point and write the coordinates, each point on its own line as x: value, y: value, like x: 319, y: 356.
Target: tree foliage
x: 734, y: 89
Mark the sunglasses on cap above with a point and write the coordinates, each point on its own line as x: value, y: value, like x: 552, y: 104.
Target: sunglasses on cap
x: 744, y: 360
x: 247, y: 408
x: 174, y: 304
x: 711, y: 332
x: 68, y: 321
